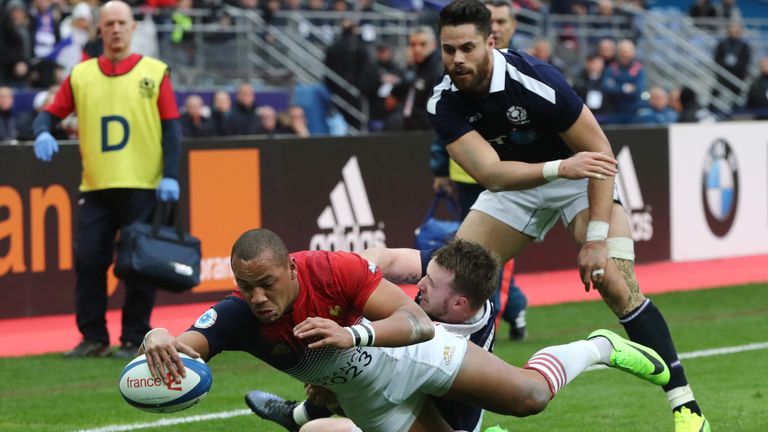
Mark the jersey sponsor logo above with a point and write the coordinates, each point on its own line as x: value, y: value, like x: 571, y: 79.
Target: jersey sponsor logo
x: 348, y: 219
x: 517, y: 115
x: 474, y: 118
x: 147, y: 87
x: 720, y: 187
x: 448, y: 352
x: 640, y: 214
x: 207, y: 319
x: 335, y: 310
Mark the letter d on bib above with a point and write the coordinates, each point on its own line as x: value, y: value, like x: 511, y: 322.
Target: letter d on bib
x: 118, y: 123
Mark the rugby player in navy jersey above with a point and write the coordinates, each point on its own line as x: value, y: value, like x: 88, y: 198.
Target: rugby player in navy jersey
x: 458, y: 316
x: 329, y: 319
x: 517, y: 127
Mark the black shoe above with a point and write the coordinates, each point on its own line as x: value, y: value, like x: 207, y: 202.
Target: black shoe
x: 273, y: 408
x: 127, y: 351
x: 518, y: 330
x: 88, y: 348
x: 518, y: 333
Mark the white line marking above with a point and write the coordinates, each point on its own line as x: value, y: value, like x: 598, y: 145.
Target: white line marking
x: 170, y: 422
x: 238, y: 413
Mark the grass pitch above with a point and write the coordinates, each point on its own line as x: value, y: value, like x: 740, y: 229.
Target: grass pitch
x: 49, y: 393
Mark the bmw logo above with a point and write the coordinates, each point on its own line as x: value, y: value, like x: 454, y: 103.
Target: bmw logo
x: 720, y: 187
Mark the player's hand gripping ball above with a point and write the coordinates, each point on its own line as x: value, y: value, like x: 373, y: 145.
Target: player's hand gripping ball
x: 164, y: 395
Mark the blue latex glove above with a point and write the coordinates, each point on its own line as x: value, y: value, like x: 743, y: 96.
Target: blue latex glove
x: 168, y: 189
x: 45, y: 146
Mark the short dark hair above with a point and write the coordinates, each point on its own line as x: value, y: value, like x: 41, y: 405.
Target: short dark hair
x: 252, y: 243
x: 475, y: 270
x: 460, y: 12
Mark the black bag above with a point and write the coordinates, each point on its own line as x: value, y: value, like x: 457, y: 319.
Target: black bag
x: 164, y: 257
x: 434, y: 233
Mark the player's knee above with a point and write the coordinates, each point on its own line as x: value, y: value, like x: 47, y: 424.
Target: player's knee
x: 534, y: 401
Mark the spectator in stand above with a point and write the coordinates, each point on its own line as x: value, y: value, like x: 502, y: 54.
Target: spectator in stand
x: 45, y: 28
x: 757, y: 98
x: 182, y: 39
x: 690, y: 109
x: 8, y: 130
x: 193, y: 122
x: 76, y: 32
x: 242, y: 118
x: 15, y: 44
x: 732, y: 54
x: 503, y: 22
x: 728, y: 10
x: 222, y: 104
x: 624, y: 83
x: 380, y: 79
x: 703, y: 9
x: 269, y: 123
x: 542, y: 50
x: 606, y: 49
x: 425, y: 71
x: 297, y: 121
x: 589, y: 86
x: 658, y: 110
x: 349, y: 58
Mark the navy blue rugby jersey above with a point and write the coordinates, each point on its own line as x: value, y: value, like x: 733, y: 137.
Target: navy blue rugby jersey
x: 528, y: 104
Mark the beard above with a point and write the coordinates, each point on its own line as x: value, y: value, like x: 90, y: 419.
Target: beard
x: 473, y: 80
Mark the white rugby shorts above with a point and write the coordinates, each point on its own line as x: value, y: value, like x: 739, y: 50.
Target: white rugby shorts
x: 534, y: 211
x: 411, y: 374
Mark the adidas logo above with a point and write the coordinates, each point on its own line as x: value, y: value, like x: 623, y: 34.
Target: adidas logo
x: 347, y: 215
x: 640, y: 217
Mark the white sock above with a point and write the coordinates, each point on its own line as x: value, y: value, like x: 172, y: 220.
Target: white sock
x: 562, y: 363
x: 605, y: 348
x: 680, y: 395
x: 300, y: 415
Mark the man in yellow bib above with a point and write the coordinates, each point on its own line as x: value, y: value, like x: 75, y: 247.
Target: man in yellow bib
x: 130, y: 142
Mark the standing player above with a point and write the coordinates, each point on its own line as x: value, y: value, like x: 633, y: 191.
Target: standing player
x: 452, y: 179
x: 129, y: 144
x: 514, y: 124
x: 329, y: 319
x: 473, y: 320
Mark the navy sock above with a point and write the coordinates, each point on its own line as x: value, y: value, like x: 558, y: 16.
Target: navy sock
x: 692, y: 405
x: 646, y: 325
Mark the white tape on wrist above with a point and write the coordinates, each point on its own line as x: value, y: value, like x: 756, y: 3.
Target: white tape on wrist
x: 550, y: 170
x: 597, y: 231
x: 362, y: 334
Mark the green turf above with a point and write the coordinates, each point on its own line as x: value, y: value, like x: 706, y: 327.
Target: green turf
x: 48, y: 393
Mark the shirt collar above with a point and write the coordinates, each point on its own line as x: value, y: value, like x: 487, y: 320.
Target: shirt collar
x: 498, y: 79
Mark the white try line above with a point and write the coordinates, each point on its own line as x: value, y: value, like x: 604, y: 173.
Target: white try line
x: 242, y: 412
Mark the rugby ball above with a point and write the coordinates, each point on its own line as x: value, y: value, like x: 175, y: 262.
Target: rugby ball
x: 164, y: 395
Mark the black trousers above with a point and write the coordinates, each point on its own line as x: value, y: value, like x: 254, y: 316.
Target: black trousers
x: 102, y: 213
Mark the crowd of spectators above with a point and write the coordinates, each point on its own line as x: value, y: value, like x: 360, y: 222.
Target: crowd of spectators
x: 41, y: 40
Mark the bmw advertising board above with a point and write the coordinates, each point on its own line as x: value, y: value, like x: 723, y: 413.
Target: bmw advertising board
x: 719, y: 190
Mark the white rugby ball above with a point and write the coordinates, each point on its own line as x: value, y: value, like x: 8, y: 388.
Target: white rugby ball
x: 164, y: 395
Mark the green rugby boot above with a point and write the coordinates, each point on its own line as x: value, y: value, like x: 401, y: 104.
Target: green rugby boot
x: 634, y: 358
x: 688, y: 421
